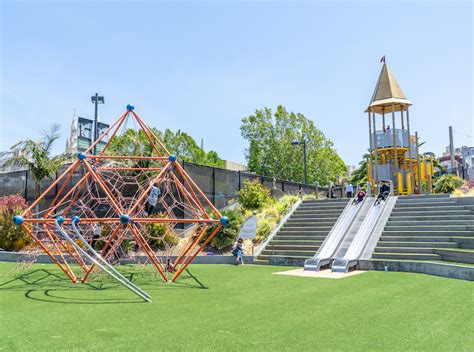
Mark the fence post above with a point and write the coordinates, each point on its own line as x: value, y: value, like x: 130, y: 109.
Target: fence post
x: 214, y: 186
x: 240, y: 180
x: 283, y: 186
x: 26, y: 184
x: 56, y: 187
x: 317, y: 190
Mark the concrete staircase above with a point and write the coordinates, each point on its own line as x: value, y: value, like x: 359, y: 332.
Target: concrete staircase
x: 426, y: 228
x: 303, y: 233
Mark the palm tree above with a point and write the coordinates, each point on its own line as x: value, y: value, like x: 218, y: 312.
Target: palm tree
x: 359, y: 175
x: 36, y: 156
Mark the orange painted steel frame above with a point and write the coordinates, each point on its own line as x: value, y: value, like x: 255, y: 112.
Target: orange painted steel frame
x: 189, y: 190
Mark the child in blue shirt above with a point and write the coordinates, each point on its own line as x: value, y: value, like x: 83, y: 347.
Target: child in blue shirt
x: 152, y: 199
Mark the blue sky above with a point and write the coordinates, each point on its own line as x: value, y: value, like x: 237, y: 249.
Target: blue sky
x: 202, y: 66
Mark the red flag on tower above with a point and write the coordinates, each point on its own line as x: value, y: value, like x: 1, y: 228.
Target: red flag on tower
x: 382, y: 59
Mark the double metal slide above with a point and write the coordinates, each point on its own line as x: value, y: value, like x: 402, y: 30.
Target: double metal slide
x: 326, y: 252
x: 347, y: 239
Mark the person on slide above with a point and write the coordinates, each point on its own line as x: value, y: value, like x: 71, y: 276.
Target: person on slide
x: 360, y: 196
x: 383, y: 194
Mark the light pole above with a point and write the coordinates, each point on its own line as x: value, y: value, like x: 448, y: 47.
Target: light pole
x: 96, y: 99
x: 303, y: 142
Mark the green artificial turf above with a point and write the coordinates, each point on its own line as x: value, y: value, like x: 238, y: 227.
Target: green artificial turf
x: 228, y: 308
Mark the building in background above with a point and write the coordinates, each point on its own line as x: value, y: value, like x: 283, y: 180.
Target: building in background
x: 463, y: 162
x: 230, y: 165
x: 350, y: 170
x: 82, y: 132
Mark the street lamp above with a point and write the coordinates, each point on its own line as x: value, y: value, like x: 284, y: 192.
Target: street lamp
x: 303, y: 142
x: 96, y: 99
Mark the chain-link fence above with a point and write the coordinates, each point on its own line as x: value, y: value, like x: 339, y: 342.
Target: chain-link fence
x: 221, y: 186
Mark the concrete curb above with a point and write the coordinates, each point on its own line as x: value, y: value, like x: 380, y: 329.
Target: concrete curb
x: 437, y: 269
x: 200, y: 259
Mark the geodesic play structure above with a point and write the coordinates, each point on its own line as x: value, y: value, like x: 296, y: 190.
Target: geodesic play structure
x: 109, y: 204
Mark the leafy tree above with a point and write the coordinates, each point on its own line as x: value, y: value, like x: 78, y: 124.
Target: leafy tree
x: 181, y: 144
x: 270, y: 152
x: 36, y: 156
x: 359, y: 175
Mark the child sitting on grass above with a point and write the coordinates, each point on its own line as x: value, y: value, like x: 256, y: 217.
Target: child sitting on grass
x: 238, y: 250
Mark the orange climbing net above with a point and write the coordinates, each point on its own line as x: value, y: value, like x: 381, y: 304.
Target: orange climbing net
x: 109, y: 203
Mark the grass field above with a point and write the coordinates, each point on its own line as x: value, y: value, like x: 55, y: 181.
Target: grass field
x: 227, y: 308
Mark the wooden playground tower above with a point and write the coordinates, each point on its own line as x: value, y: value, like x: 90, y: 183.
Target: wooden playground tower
x: 394, y: 153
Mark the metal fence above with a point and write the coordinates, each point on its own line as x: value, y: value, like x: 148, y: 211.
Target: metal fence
x: 221, y: 186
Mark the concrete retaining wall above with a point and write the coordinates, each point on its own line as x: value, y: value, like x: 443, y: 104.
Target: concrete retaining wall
x: 437, y: 269
x: 200, y: 259
x: 456, y: 256
x: 286, y: 261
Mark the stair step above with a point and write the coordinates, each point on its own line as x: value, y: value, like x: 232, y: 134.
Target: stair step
x: 415, y: 239
x: 318, y: 211
x: 431, y: 211
x: 416, y: 217
x: 445, y: 222
x: 386, y: 244
x: 288, y: 253
x: 436, y: 204
x: 300, y: 238
x: 309, y: 230
x: 426, y: 196
x: 277, y: 242
x: 404, y: 250
x: 406, y: 256
x: 427, y: 233
x: 293, y: 247
x: 325, y: 201
x: 267, y: 257
x: 306, y: 225
x: 329, y: 206
x: 421, y: 227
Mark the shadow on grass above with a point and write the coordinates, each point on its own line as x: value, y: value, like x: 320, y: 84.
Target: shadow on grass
x: 48, y: 286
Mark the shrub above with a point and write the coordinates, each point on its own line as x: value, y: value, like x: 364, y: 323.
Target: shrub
x: 253, y: 195
x: 285, y: 203
x: 160, y: 237
x: 12, y: 237
x: 271, y: 213
x: 448, y: 183
x: 310, y: 196
x: 264, y: 227
x: 227, y: 234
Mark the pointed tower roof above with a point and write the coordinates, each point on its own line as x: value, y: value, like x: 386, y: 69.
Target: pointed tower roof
x: 387, y: 93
